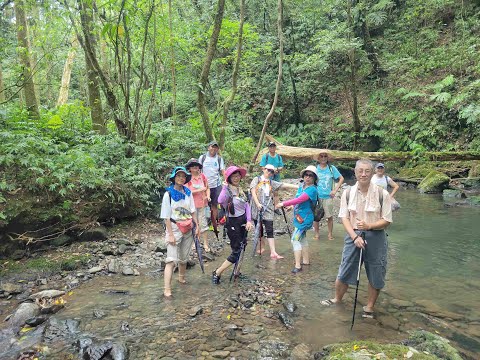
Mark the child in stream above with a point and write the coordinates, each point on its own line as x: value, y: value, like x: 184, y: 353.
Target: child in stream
x: 303, y: 215
x: 178, y: 210
x: 239, y: 220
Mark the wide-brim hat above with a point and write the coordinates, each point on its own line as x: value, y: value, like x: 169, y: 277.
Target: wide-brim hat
x: 178, y: 169
x: 231, y: 169
x: 312, y: 169
x: 324, y: 151
x: 193, y: 162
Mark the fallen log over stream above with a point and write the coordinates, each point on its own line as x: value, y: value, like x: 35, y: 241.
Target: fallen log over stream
x: 299, y: 153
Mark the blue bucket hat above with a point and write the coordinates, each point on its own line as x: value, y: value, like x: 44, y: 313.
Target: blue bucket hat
x: 178, y: 169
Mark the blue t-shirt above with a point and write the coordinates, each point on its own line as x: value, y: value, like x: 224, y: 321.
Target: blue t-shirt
x: 275, y: 161
x: 305, y: 209
x: 325, y: 180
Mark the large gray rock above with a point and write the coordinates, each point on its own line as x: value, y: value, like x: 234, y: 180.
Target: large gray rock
x: 301, y: 352
x: 11, y: 288
x: 47, y: 294
x: 25, y: 311
x: 434, y: 182
x: 61, y: 240
x: 95, y: 234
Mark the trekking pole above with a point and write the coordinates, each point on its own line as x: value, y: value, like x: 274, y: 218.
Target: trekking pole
x: 358, y: 280
x: 286, y: 222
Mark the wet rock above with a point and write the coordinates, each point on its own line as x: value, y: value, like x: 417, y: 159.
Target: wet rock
x: 231, y: 334
x: 107, y: 250
x: 61, y: 240
x: 42, y: 281
x: 127, y: 271
x: 119, y: 351
x: 18, y: 255
x: 208, y: 257
x: 136, y: 272
x: 390, y: 322
x: 113, y: 266
x: 300, y: 352
x: 95, y: 269
x: 190, y: 264
x: 26, y: 310
x: 161, y: 248
x: 125, y: 326
x: 35, y: 321
x: 60, y: 329
x: 96, y: 234
x: 47, y: 294
x: 434, y: 182
x: 220, y: 354
x: 401, y: 303
x: 451, y: 193
x: 122, y: 249
x: 251, y: 330
x: 272, y: 349
x: 197, y: 310
x: 11, y: 288
x: 285, y: 319
x: 290, y: 306
x: 99, y: 313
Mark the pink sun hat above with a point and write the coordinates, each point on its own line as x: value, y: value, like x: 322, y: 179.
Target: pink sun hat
x: 231, y: 169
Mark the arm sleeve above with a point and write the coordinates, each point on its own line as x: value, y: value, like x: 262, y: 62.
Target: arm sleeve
x: 223, y: 197
x: 263, y: 161
x: 343, y: 205
x: 301, y: 199
x: 166, y: 211
x: 248, y: 212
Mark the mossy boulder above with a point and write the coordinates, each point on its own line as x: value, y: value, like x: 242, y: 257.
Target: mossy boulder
x: 433, y: 344
x: 474, y: 200
x: 434, y: 182
x: 474, y: 170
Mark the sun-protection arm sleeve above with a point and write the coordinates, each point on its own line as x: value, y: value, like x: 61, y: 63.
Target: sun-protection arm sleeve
x: 301, y: 199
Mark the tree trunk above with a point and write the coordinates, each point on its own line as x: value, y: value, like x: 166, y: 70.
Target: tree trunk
x: 296, y: 103
x: 67, y: 72
x: 172, y: 64
x: 279, y: 80
x: 299, y: 153
x: 228, y: 101
x: 94, y: 98
x: 378, y: 71
x: 352, y: 58
x: 2, y: 88
x: 25, y: 60
x: 212, y: 45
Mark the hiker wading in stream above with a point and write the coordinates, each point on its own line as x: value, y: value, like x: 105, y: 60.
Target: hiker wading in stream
x: 178, y: 210
x: 365, y: 211
x: 239, y: 219
x: 304, y: 204
x: 329, y: 181
x: 262, y: 189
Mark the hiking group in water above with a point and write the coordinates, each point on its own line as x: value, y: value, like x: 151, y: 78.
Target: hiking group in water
x: 365, y: 212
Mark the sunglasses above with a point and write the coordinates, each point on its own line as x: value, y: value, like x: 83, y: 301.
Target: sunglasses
x: 323, y: 156
x: 309, y: 175
x: 271, y: 171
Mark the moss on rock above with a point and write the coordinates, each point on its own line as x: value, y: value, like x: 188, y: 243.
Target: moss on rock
x: 434, y: 182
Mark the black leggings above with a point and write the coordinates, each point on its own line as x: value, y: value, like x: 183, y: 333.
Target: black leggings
x: 237, y: 234
x: 268, y: 228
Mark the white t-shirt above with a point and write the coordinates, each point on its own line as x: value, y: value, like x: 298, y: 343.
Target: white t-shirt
x: 211, y: 169
x: 177, y: 210
x: 382, y: 181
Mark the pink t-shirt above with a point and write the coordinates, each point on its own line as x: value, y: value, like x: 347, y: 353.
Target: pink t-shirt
x: 200, y: 198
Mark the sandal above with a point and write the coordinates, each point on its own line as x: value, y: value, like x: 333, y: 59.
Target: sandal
x: 330, y: 237
x: 305, y: 264
x: 215, y: 277
x: 367, y: 314
x: 328, y: 302
x: 316, y: 237
x: 276, y: 257
x: 296, y: 270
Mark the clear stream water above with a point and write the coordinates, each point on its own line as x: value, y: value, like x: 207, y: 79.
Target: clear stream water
x: 433, y: 283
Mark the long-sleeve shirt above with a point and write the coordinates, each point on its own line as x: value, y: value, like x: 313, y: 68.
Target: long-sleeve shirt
x: 301, y: 199
x: 240, y: 205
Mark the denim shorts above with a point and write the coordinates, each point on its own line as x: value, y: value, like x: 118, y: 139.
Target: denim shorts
x: 374, y: 257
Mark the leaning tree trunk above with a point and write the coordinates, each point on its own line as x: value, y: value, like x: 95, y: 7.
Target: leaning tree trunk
x: 67, y: 72
x: 228, y: 101
x: 279, y: 80
x: 308, y: 154
x: 212, y: 45
x: 172, y: 64
x: 25, y: 60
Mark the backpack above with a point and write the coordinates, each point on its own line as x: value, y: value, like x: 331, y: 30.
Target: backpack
x: 204, y: 156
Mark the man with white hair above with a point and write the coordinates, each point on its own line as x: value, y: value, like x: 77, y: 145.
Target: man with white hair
x: 365, y: 211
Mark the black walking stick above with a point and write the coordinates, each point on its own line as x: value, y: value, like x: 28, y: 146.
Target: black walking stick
x: 198, y: 248
x: 238, y: 264
x: 286, y: 222
x: 362, y: 235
